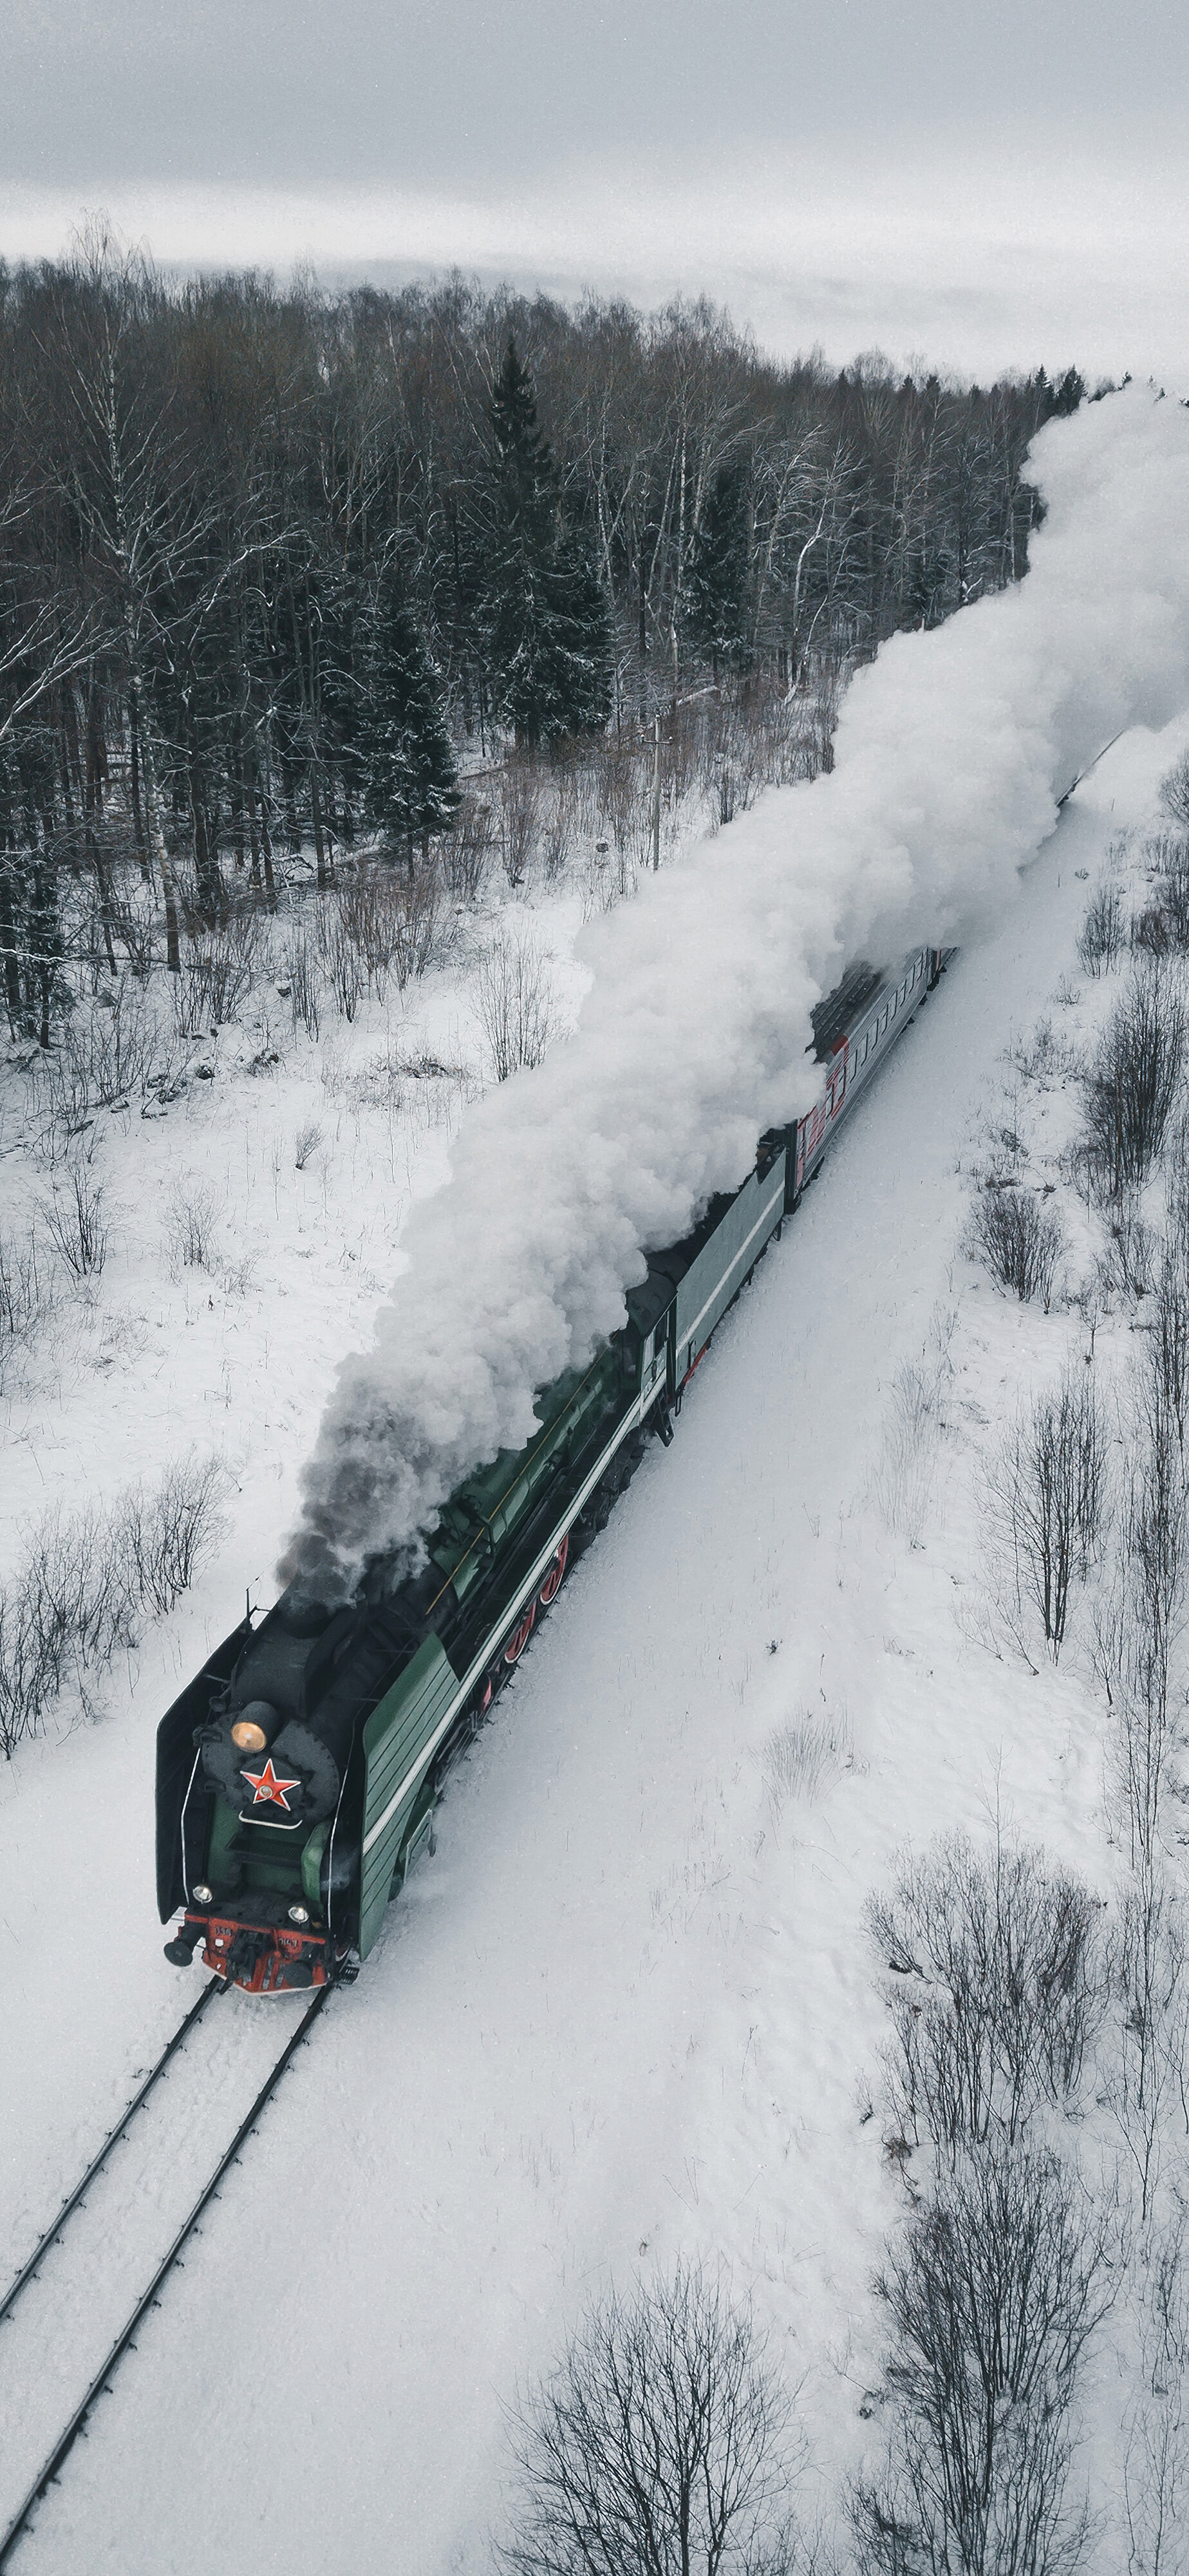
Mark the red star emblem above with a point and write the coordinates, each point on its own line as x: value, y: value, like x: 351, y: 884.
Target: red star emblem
x: 270, y: 1791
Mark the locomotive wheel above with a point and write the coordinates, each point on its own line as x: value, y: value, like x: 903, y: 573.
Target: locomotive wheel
x: 520, y: 1636
x: 553, y: 1580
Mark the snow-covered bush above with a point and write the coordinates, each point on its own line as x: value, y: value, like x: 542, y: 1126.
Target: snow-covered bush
x: 218, y: 968
x: 110, y: 1048
x: 1018, y: 1237
x: 903, y: 1480
x: 467, y: 850
x: 1100, y: 940
x: 1001, y: 1989
x: 803, y: 1753
x: 1128, y: 1263
x: 514, y: 997
x: 86, y: 1577
x: 26, y: 1296
x: 300, y: 973
x: 193, y: 1214
x: 1133, y: 1080
x: 76, y: 1223
x: 518, y: 807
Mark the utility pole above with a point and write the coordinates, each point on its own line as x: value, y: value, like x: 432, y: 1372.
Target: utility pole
x: 656, y: 791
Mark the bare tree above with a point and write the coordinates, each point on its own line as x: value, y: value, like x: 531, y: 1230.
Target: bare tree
x: 1140, y: 1619
x: 1147, y: 2077
x: 658, y: 2444
x: 992, y: 2296
x: 1047, y: 1492
x: 1156, y: 2463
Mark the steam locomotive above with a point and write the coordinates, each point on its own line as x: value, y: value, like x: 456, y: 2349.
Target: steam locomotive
x: 298, y: 1773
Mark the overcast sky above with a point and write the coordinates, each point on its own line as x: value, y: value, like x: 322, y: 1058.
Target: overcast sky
x: 985, y: 186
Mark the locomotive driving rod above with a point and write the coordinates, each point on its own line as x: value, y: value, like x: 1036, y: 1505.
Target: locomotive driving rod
x: 124, y: 2341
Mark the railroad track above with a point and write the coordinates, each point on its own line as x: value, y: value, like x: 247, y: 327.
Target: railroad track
x: 41, y: 2262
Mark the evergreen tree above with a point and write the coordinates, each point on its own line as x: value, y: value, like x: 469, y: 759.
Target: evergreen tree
x: 411, y: 779
x: 548, y: 635
x: 715, y: 586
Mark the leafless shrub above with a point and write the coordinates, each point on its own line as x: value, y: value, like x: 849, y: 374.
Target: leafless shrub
x: 417, y: 921
x: 300, y: 973
x: 1132, y: 1081
x: 1100, y: 940
x: 1000, y: 1989
x: 557, y: 829
x: 903, y: 1479
x: 25, y: 1297
x: 1156, y: 2464
x: 86, y: 1575
x: 218, y: 966
x: 388, y: 921
x: 75, y: 1220
x: 113, y: 1047
x: 1045, y: 1058
x: 1147, y: 2075
x: 1176, y: 1196
x: 659, y: 2443
x: 195, y: 1208
x: 1169, y: 1346
x: 1047, y: 1492
x: 366, y: 912
x: 1149, y: 934
x: 306, y: 1143
x: 24, y: 1689
x: 1140, y: 1617
x: 1129, y: 1262
x: 63, y: 1086
x: 803, y: 1753
x: 1019, y: 1238
x: 515, y: 1003
x: 518, y: 807
x: 467, y: 849
x: 1173, y: 892
x: 992, y: 2296
x: 342, y: 964
x: 167, y: 1530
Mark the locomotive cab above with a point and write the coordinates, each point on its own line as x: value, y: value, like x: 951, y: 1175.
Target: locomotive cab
x: 264, y: 1856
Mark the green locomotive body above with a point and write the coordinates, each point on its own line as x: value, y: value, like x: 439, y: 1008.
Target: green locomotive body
x: 298, y: 1773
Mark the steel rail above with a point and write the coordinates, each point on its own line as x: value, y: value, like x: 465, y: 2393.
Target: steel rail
x: 70, y: 2204
x: 124, y: 2341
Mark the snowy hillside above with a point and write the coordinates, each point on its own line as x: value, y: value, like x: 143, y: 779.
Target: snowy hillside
x: 629, y: 2008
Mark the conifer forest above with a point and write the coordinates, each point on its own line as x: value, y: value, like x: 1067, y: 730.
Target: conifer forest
x: 288, y: 579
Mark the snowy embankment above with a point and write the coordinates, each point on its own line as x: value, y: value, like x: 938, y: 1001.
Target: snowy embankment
x: 629, y: 2008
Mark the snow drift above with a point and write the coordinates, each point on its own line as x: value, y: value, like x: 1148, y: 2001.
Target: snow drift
x: 951, y: 751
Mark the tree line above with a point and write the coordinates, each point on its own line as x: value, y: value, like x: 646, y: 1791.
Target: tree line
x: 271, y: 560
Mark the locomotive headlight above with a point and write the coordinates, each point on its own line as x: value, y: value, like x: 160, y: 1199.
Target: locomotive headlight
x: 299, y: 1913
x: 203, y: 1896
x: 248, y: 1738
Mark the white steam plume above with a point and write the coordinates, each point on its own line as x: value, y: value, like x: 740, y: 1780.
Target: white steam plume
x: 950, y: 752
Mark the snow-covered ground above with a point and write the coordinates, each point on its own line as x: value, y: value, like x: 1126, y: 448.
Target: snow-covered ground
x: 629, y: 2007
